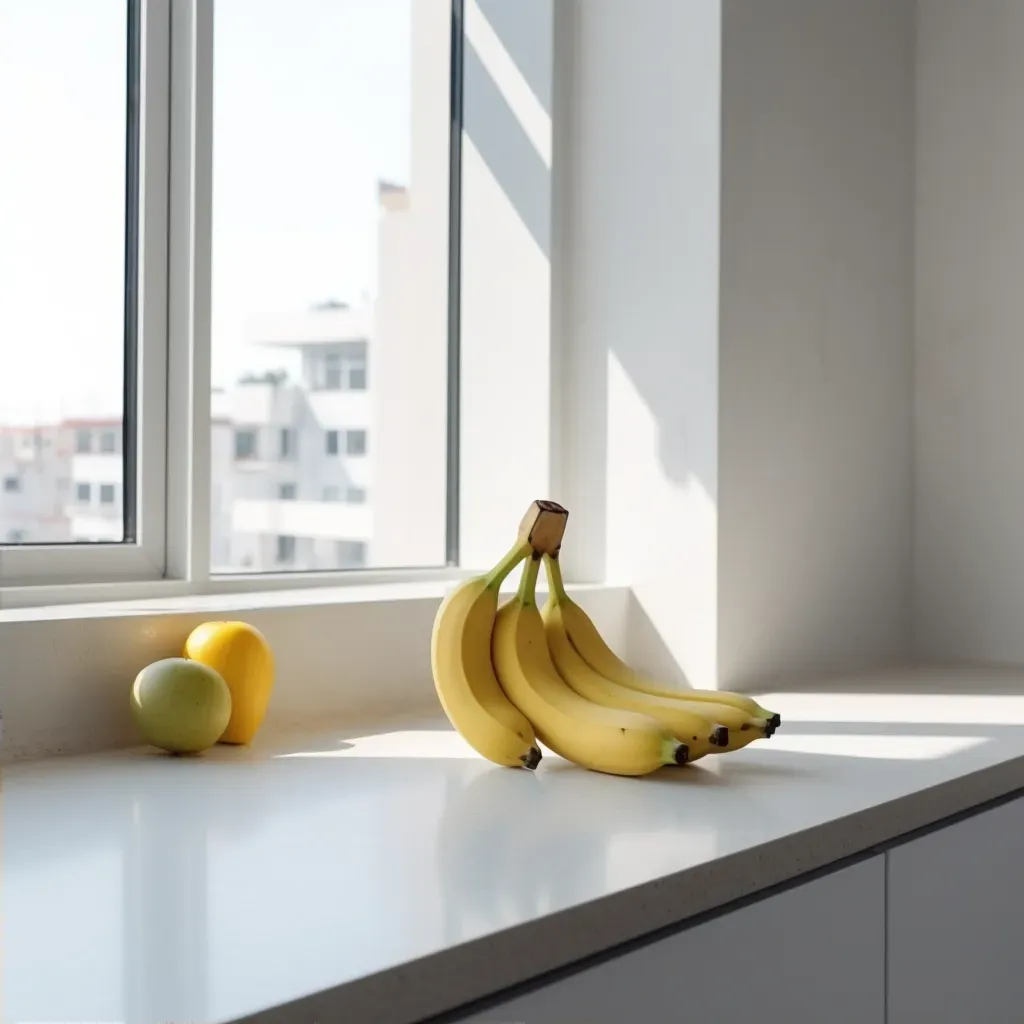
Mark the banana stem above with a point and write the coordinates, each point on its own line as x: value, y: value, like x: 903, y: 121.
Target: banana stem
x: 527, y: 593
x: 555, y: 583
x: 498, y: 574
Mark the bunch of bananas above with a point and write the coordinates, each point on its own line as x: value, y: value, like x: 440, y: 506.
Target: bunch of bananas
x: 509, y: 677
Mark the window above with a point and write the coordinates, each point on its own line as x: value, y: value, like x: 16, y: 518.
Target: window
x: 332, y: 372
x: 71, y: 177
x: 280, y: 274
x: 287, y: 443
x: 286, y: 492
x: 355, y: 442
x: 355, y: 495
x: 17, y: 536
x: 245, y: 444
x: 318, y: 264
x: 12, y: 485
x: 342, y: 371
x: 350, y: 554
x: 285, y: 550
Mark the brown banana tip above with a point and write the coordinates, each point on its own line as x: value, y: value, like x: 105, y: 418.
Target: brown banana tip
x: 720, y: 737
x: 775, y: 721
x: 682, y: 754
x: 531, y: 758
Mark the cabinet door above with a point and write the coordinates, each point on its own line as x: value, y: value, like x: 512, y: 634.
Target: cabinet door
x: 813, y: 954
x: 956, y: 922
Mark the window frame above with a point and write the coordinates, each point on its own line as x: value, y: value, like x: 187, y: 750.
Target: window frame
x: 172, y: 490
x: 143, y: 558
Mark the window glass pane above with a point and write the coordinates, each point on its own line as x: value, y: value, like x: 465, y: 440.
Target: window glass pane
x: 355, y: 442
x: 65, y: 135
x: 331, y: 192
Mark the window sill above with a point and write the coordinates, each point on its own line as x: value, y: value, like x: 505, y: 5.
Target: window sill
x: 347, y: 651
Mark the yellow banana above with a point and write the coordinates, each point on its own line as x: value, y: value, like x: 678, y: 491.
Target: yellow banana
x: 600, y: 738
x: 596, y: 653
x: 460, y: 651
x: 702, y: 735
x: 460, y: 657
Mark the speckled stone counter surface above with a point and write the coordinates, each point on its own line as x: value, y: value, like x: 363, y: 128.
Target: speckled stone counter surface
x: 385, y: 874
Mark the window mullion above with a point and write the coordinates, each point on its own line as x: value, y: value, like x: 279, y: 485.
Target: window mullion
x: 188, y: 312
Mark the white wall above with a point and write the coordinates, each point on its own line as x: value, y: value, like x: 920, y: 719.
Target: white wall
x: 969, y: 325
x: 636, y: 233
x: 815, y: 461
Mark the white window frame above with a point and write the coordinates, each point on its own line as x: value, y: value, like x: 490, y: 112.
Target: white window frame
x: 171, y: 556
x: 66, y: 565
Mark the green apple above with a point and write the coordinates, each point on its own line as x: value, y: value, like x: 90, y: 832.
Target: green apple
x: 180, y: 705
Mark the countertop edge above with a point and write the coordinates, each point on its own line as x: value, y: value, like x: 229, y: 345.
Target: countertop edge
x: 453, y: 978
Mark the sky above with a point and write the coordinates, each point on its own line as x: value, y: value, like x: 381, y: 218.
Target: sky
x: 311, y: 109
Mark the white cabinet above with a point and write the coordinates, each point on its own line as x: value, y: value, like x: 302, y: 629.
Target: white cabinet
x: 812, y: 954
x: 956, y: 922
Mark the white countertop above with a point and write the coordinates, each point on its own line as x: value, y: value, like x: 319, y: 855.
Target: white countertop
x: 390, y: 873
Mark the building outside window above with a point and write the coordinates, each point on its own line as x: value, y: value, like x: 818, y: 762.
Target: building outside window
x: 106, y: 494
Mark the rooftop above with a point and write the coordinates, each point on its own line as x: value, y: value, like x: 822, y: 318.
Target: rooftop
x: 330, y: 323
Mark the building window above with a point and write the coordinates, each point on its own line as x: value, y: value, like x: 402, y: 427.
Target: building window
x: 245, y: 444
x: 17, y: 536
x: 355, y: 442
x: 108, y: 441
x: 83, y: 493
x: 285, y: 553
x: 286, y: 492
x: 355, y: 495
x: 332, y: 494
x: 288, y: 446
x: 331, y: 442
x: 332, y: 371
x: 350, y: 554
x: 106, y: 494
x: 83, y: 441
x: 340, y: 371
x: 357, y: 378
x: 12, y: 485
